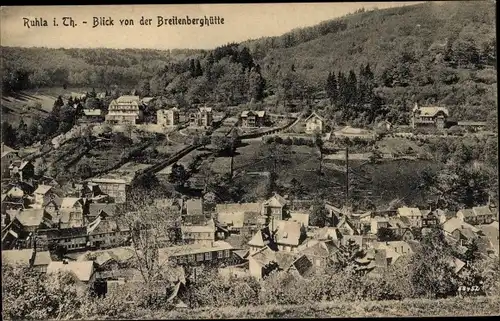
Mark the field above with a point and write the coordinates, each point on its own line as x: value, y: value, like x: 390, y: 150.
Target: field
x: 24, y: 103
x: 472, y: 306
x: 379, y: 183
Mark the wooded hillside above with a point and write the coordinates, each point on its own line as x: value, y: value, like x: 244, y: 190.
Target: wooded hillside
x: 383, y: 61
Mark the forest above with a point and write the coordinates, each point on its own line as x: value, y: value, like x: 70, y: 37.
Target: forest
x: 364, y: 66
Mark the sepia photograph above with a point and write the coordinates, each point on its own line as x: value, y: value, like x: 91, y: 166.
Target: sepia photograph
x: 249, y: 161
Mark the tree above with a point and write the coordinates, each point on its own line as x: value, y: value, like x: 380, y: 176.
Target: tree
x: 331, y: 88
x: 84, y: 168
x: 151, y: 229
x: 8, y: 135
x: 431, y: 273
x: 318, y: 141
x: 319, y: 215
x: 178, y: 176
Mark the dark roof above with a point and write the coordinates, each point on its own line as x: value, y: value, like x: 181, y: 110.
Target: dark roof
x: 304, y: 266
x: 64, y: 233
x: 95, y: 209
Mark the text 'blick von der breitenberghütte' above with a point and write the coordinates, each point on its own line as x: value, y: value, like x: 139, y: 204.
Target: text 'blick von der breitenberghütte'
x: 98, y: 22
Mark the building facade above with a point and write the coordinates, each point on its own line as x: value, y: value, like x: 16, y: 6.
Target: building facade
x: 429, y: 116
x: 124, y: 110
x: 167, y: 117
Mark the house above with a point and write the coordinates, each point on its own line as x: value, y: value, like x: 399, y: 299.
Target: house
x: 399, y: 247
x: 350, y: 132
x: 219, y: 252
x: 71, y: 212
x: 491, y: 235
x: 167, y: 117
x: 202, y: 118
x: 82, y: 271
x: 25, y: 170
x: 44, y: 194
x: 252, y: 119
x: 110, y: 259
x: 92, y: 115
x: 124, y: 110
x: 11, y: 233
x: 314, y: 123
x: 69, y: 239
x: 33, y: 219
x: 335, y: 213
x: 88, y: 190
x: 476, y: 215
x: 288, y: 235
x: 38, y: 260
x: 105, y: 232
x: 413, y: 214
x: 9, y: 156
x: 199, y: 234
x: 95, y: 210
x: 275, y: 207
x: 266, y: 260
x: 326, y: 234
x: 319, y: 252
x: 377, y: 223
x: 460, y: 231
x: 238, y: 217
x: 429, y: 116
x: 261, y: 239
x: 117, y: 189
x: 384, y: 124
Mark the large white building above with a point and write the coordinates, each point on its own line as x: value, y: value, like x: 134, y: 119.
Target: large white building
x: 124, y: 110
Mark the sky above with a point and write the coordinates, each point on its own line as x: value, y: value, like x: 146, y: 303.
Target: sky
x: 241, y: 22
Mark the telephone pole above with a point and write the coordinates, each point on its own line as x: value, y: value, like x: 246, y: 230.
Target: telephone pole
x: 347, y: 175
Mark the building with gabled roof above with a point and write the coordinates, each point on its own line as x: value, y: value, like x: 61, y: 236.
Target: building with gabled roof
x: 275, y: 207
x: 38, y: 260
x: 252, y: 119
x: 314, y: 123
x: 106, y: 232
x: 168, y: 117
x: 413, y: 214
x: 202, y: 118
x: 429, y: 116
x: 124, y: 110
x: 260, y: 239
x: 288, y: 235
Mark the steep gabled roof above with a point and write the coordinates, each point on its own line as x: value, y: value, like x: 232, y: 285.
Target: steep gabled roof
x: 314, y: 115
x: 276, y: 201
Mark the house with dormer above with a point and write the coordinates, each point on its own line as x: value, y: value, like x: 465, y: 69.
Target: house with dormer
x: 201, y: 118
x: 429, y: 116
x: 252, y: 119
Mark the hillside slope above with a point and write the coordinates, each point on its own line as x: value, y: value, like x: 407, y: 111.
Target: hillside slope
x: 431, y: 52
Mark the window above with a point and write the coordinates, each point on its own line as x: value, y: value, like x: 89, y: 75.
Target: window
x: 199, y: 257
x: 208, y: 256
x: 220, y: 254
x: 226, y: 253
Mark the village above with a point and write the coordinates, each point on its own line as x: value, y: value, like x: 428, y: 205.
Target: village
x: 79, y: 227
